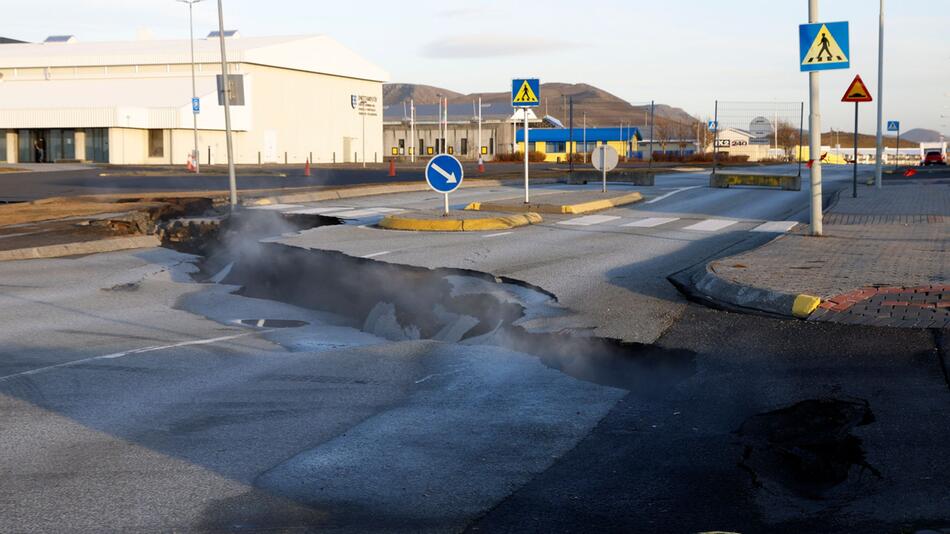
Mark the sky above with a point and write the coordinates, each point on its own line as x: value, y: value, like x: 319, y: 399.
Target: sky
x: 686, y: 53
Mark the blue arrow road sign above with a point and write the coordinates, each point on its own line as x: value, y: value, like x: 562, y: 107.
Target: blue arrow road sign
x: 444, y: 173
x: 893, y: 126
x: 824, y: 46
x: 713, y: 126
x: 196, y: 105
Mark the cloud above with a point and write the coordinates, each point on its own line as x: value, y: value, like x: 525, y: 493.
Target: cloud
x: 492, y: 45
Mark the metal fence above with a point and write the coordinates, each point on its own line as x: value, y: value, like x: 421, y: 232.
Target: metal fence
x: 758, y: 131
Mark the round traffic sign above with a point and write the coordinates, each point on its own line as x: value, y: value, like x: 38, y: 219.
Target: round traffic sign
x: 604, y: 154
x: 444, y: 173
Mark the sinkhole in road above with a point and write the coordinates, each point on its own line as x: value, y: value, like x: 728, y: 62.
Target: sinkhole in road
x: 401, y: 302
x: 807, y: 447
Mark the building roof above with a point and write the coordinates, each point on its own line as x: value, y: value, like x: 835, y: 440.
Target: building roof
x: 580, y: 134
x: 310, y: 53
x: 491, y: 112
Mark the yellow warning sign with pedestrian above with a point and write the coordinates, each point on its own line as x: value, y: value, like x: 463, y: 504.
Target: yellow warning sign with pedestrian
x: 525, y: 94
x: 825, y: 49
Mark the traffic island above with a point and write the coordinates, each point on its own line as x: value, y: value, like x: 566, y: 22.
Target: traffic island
x: 571, y: 202
x: 436, y: 221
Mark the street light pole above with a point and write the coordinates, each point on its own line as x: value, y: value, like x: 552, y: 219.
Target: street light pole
x: 194, y: 91
x: 880, y: 99
x: 226, y: 86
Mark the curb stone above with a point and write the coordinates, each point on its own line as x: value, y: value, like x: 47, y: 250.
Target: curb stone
x: 82, y: 247
x: 571, y: 209
x: 397, y: 222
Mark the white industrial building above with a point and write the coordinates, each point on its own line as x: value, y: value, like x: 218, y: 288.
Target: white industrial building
x: 292, y: 98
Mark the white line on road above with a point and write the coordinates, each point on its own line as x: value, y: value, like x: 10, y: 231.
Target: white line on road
x: 589, y: 220
x: 651, y: 222
x: 498, y: 234
x: 671, y: 193
x: 778, y: 227
x: 710, y: 225
x: 320, y: 210
x: 276, y: 207
x: 127, y: 353
x: 373, y: 255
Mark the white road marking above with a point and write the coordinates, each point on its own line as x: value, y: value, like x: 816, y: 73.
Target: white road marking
x: 115, y: 355
x: 319, y: 210
x: 223, y: 273
x: 373, y: 255
x: 589, y: 220
x: 778, y: 227
x: 651, y: 222
x: 498, y: 234
x: 710, y: 225
x: 449, y: 177
x: 386, y: 210
x: 354, y: 214
x: 671, y: 193
x: 276, y: 207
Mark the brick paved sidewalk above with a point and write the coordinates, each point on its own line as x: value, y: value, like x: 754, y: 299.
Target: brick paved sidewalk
x: 884, y: 259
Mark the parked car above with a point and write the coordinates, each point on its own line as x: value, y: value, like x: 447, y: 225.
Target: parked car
x: 934, y: 157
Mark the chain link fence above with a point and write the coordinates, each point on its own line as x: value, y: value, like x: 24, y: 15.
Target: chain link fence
x: 758, y: 131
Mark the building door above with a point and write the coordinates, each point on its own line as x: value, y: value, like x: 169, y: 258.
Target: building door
x: 347, y: 150
x: 270, y: 146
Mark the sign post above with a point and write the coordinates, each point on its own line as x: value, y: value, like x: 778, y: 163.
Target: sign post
x: 444, y: 174
x: 857, y: 92
x: 525, y: 93
x: 604, y: 159
x: 895, y: 126
x: 822, y: 46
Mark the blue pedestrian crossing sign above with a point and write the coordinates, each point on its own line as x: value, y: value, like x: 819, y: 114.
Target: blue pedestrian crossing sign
x: 444, y: 173
x: 525, y: 92
x: 712, y: 126
x: 196, y: 105
x: 824, y: 46
x: 893, y: 126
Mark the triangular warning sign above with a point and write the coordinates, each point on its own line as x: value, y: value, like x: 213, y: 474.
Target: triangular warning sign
x: 857, y: 92
x: 824, y: 49
x: 525, y: 95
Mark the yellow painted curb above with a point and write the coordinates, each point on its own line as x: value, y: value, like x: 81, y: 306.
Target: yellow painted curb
x: 804, y: 305
x: 397, y: 222
x: 574, y: 209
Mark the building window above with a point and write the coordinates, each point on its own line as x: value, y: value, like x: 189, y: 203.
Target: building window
x: 402, y: 143
x: 156, y: 143
x: 464, y: 147
x: 422, y: 146
x: 558, y: 146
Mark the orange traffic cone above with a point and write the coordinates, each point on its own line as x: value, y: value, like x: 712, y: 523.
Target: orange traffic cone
x: 191, y: 163
x: 481, y: 164
x: 306, y: 168
x: 392, y: 167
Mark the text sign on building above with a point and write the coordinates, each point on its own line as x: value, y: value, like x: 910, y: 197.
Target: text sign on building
x: 364, y: 105
x: 525, y: 92
x: 824, y: 46
x: 893, y: 126
x: 196, y: 105
x: 444, y: 173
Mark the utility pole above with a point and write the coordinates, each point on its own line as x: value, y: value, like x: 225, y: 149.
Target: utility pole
x: 570, y: 121
x: 226, y: 84
x: 438, y: 120
x: 880, y: 98
x: 479, y: 148
x: 652, y: 132
x: 814, y: 133
x: 194, y: 91
x: 412, y: 131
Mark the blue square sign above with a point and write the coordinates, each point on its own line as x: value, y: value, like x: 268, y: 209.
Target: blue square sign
x: 196, y: 105
x: 824, y: 46
x: 525, y: 92
x: 893, y: 126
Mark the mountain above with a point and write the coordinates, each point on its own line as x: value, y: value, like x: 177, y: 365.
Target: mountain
x: 846, y: 139
x: 601, y: 108
x: 921, y: 135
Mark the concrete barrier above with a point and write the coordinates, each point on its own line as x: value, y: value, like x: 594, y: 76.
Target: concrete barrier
x: 725, y: 180
x: 633, y: 177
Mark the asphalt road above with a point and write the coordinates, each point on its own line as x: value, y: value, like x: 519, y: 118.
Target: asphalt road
x: 610, y: 274
x: 134, y: 399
